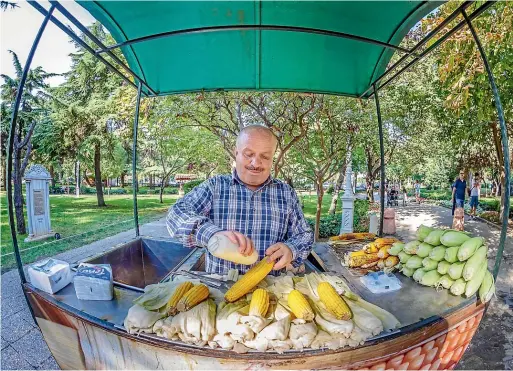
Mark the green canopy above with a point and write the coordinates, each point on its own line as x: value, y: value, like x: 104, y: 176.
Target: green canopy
x: 249, y: 59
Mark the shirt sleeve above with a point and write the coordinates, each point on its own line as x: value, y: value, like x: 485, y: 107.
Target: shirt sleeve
x: 187, y: 220
x: 299, y: 233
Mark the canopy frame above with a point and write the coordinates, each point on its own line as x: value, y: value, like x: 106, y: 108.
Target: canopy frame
x: 375, y: 86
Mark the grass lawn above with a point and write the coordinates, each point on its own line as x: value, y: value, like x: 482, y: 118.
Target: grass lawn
x: 311, y: 204
x: 80, y: 222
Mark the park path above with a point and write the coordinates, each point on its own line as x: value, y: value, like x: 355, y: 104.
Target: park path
x: 23, y: 346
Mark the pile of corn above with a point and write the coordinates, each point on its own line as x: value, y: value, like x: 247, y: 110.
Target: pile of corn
x: 261, y: 312
x: 374, y: 256
x: 448, y: 259
x: 350, y: 237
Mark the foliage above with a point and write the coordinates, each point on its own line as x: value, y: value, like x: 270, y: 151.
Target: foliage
x: 187, y: 187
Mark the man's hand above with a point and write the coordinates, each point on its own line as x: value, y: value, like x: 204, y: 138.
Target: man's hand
x: 245, y: 244
x: 279, y: 251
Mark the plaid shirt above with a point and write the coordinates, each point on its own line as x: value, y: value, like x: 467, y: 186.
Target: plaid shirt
x: 268, y: 215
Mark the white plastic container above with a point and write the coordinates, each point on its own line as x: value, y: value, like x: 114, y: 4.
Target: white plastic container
x: 94, y: 282
x: 50, y: 275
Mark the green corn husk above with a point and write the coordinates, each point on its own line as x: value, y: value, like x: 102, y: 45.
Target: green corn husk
x: 424, y: 249
x: 434, y: 237
x: 437, y: 253
x: 430, y: 278
x: 487, y: 289
x: 445, y: 282
x: 414, y: 262
x: 451, y: 254
x: 417, y: 275
x: 411, y: 247
x: 443, y: 267
x: 407, y: 271
x: 458, y: 287
x: 474, y: 263
x: 453, y: 238
x: 456, y: 270
x: 469, y: 247
x: 403, y: 257
x: 396, y: 248
x: 476, y: 281
x: 423, y: 232
x: 429, y: 264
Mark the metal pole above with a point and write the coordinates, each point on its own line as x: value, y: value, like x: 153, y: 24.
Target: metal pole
x: 382, y: 158
x: 134, y: 158
x: 10, y: 145
x: 505, y: 147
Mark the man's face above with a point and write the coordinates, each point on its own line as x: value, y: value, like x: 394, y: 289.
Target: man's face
x: 254, y: 157
x: 462, y: 175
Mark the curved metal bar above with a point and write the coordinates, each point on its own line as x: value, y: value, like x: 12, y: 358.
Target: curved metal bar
x: 134, y: 159
x: 256, y: 28
x: 382, y: 160
x: 505, y: 147
x: 10, y: 145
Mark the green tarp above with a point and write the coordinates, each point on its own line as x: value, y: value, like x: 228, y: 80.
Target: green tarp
x: 264, y: 59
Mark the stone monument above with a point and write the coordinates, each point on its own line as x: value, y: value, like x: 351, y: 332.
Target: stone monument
x: 347, y: 201
x: 37, y: 181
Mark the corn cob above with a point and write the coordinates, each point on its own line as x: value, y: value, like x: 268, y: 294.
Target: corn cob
x: 381, y: 263
x: 383, y: 252
x: 357, y: 253
x: 180, y: 291
x: 252, y: 277
x: 193, y: 297
x: 333, y: 302
x: 380, y: 242
x: 259, y: 303
x: 391, y: 261
x: 300, y: 306
x: 371, y: 248
x: 353, y: 236
x: 359, y: 260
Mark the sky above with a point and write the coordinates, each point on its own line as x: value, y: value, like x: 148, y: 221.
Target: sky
x: 18, y: 28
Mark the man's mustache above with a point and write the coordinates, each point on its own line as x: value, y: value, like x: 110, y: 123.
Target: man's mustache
x: 252, y: 168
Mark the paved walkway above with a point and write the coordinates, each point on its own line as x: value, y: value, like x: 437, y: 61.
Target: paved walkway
x: 492, y: 348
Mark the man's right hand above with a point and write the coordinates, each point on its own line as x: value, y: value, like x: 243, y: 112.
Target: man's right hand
x: 246, y: 246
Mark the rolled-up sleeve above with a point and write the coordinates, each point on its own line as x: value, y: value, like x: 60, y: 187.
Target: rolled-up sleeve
x: 187, y: 220
x: 299, y: 233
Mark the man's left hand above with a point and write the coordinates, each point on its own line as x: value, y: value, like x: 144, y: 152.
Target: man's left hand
x: 279, y: 253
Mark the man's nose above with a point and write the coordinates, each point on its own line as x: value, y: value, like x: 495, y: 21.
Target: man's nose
x: 255, y: 161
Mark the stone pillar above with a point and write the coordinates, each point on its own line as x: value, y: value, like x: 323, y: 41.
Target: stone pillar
x: 37, y: 181
x: 347, y: 201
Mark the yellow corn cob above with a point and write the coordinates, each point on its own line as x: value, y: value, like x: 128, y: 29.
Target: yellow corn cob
x: 180, y: 291
x: 300, y: 306
x: 357, y: 253
x: 371, y: 248
x: 333, y: 302
x: 391, y: 261
x: 259, y: 303
x: 193, y: 297
x: 252, y: 277
x: 359, y: 260
x: 353, y: 236
x: 380, y: 242
x: 383, y: 252
x: 381, y: 263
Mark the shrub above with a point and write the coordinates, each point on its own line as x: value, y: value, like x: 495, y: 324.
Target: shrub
x: 187, y: 187
x: 491, y: 216
x: 117, y: 191
x: 87, y: 190
x: 330, y: 190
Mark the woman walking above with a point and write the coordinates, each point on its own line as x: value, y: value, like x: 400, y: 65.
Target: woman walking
x: 475, y: 192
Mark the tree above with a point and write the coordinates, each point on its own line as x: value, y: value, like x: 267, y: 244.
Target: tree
x: 30, y: 113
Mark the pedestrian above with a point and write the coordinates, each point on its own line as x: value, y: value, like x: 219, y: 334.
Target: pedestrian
x: 475, y: 192
x: 459, y: 188
x: 416, y: 186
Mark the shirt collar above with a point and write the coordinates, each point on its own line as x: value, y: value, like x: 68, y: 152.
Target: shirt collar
x: 236, y: 179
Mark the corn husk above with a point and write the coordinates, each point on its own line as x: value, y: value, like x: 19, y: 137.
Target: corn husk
x: 458, y: 287
x: 451, y: 254
x: 453, y: 238
x: 403, y: 257
x: 387, y: 319
x: 474, y: 263
x: 423, y: 231
x: 469, y: 247
x: 487, y: 289
x: 456, y: 270
x: 408, y: 272
x: 437, y: 253
x: 156, y: 296
x: 445, y: 281
x: 417, y: 276
x: 424, y: 249
x: 443, y: 267
x: 429, y: 264
x: 396, y: 248
x: 414, y: 262
x: 430, y: 278
x: 476, y: 281
x: 364, y: 319
x: 433, y: 238
x: 411, y: 247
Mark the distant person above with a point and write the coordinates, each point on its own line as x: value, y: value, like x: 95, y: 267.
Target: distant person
x: 475, y: 192
x: 458, y: 191
x: 405, y: 195
x: 416, y: 187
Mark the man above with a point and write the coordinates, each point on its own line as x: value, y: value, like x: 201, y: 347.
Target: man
x: 458, y: 191
x: 249, y: 207
x: 417, y: 190
x: 475, y: 192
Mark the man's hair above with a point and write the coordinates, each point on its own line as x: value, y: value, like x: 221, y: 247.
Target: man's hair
x: 255, y: 128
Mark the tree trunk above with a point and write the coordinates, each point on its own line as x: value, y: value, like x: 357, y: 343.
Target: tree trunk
x: 320, y: 195
x: 336, y: 189
x: 18, y: 193
x: 3, y: 186
x: 162, y: 186
x: 370, y: 188
x: 98, y: 176
x: 52, y: 174
x: 151, y: 181
x: 122, y: 178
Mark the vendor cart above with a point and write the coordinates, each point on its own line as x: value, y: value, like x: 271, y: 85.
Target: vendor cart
x: 342, y: 48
